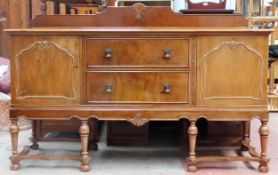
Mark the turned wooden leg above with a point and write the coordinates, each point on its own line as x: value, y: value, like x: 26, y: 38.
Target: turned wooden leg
x: 192, y: 133
x: 94, y: 135
x: 34, y: 140
x: 264, y: 136
x: 84, y: 135
x: 93, y: 145
x: 14, y: 130
x: 246, y: 136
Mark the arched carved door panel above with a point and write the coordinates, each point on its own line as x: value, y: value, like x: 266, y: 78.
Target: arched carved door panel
x: 46, y: 70
x: 231, y: 71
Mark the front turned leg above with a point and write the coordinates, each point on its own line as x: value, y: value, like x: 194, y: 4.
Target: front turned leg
x: 35, y: 145
x: 93, y: 135
x: 246, y: 136
x: 264, y: 131
x: 192, y: 133
x: 84, y: 135
x: 14, y: 130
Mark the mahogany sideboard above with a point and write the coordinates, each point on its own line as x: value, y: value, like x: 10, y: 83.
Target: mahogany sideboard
x: 140, y: 64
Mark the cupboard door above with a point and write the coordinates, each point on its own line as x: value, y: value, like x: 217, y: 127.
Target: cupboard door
x: 46, y: 70
x: 232, y: 71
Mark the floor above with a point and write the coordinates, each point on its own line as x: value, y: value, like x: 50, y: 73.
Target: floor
x: 159, y: 159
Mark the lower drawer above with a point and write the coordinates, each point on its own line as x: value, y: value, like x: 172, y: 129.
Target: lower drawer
x: 137, y: 87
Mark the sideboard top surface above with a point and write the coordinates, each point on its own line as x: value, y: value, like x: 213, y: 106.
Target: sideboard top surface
x: 85, y: 30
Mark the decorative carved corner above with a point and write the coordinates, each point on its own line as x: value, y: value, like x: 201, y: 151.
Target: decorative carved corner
x: 138, y: 120
x: 138, y: 9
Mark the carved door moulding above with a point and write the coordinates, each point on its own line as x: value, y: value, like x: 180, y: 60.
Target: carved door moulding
x: 45, y: 46
x: 232, y: 45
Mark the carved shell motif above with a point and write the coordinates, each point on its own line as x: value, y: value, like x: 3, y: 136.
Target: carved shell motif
x: 137, y: 120
x: 138, y: 9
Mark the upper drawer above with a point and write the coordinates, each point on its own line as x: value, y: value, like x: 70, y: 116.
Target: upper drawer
x: 137, y: 52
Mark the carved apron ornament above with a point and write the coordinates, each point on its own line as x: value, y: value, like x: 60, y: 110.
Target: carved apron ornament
x: 137, y: 120
x: 138, y: 9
